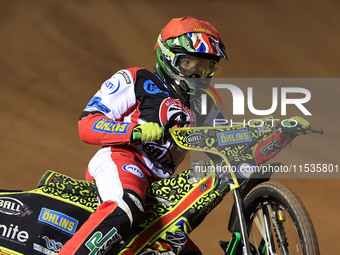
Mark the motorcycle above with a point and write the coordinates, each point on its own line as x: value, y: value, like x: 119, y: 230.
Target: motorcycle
x: 266, y: 217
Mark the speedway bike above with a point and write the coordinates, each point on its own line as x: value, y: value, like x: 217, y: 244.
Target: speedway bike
x: 266, y: 217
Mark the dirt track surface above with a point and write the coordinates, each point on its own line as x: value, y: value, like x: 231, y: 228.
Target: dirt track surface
x: 54, y: 55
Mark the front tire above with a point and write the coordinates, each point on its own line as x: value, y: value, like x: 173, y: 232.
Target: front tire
x: 278, y: 222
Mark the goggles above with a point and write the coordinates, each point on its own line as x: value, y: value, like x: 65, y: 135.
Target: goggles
x: 194, y: 67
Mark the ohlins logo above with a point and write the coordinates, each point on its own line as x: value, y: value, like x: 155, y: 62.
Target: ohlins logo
x: 58, y: 220
x: 12, y: 206
x: 233, y: 137
x: 110, y: 127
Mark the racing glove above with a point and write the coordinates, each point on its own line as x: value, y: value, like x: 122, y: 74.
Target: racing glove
x: 296, y: 127
x: 150, y: 132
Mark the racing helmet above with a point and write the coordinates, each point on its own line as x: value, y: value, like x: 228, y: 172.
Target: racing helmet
x: 187, y: 53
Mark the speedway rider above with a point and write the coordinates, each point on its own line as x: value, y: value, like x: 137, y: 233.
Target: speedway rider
x: 133, y: 99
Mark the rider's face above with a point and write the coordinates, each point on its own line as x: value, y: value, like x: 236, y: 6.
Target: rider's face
x: 195, y: 67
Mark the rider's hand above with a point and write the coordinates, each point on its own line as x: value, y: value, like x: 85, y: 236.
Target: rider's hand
x: 301, y: 122
x: 296, y: 127
x: 151, y: 132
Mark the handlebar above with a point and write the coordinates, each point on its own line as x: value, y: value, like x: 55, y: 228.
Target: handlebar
x: 315, y: 131
x: 136, y: 135
x: 293, y: 131
x: 287, y: 131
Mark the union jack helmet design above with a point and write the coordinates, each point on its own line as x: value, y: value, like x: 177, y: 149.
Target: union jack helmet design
x: 203, y: 43
x: 196, y: 41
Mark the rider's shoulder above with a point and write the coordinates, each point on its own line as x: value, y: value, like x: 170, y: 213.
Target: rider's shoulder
x: 130, y: 75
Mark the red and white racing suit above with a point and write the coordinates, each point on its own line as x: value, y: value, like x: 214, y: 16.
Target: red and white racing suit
x: 122, y: 170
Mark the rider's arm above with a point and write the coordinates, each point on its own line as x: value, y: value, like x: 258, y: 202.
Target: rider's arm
x: 100, y: 130
x: 112, y: 113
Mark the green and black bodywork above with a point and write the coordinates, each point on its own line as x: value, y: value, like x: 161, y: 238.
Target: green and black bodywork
x: 43, y: 219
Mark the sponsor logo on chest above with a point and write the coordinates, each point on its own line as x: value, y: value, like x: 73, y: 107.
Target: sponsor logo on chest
x: 173, y: 109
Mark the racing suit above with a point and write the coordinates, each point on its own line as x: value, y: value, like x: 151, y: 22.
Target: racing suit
x: 123, y: 170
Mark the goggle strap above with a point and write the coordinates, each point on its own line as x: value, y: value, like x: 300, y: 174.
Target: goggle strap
x: 164, y: 49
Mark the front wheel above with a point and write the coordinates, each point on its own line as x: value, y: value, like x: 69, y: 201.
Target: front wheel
x: 278, y: 222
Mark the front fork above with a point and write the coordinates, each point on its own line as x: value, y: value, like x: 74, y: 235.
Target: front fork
x: 237, y: 213
x: 242, y: 223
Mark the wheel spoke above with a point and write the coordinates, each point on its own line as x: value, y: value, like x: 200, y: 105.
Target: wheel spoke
x: 256, y: 246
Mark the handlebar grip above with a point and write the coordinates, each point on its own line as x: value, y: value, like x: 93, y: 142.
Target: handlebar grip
x: 136, y: 135
x: 315, y: 131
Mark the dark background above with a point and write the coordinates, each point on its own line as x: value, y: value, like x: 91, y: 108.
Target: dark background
x: 54, y: 55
